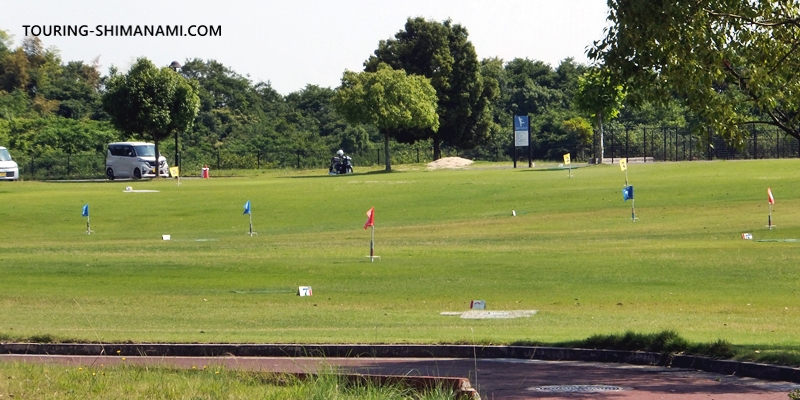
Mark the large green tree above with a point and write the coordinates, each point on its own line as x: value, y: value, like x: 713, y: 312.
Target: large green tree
x: 599, y: 97
x: 443, y: 53
x: 151, y: 102
x: 731, y: 61
x: 390, y: 100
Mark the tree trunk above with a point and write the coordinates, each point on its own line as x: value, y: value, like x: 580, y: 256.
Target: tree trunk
x: 599, y: 154
x: 437, y: 150
x: 155, y: 141
x: 386, y: 152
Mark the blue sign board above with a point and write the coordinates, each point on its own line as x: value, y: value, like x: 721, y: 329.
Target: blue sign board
x: 520, y: 123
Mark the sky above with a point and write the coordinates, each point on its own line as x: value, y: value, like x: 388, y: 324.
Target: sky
x: 291, y: 44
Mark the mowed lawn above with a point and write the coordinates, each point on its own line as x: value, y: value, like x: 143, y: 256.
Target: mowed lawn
x: 444, y: 237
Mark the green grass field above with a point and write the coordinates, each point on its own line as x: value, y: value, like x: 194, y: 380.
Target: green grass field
x: 444, y: 237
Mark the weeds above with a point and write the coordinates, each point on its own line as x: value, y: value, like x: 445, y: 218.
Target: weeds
x: 37, y: 381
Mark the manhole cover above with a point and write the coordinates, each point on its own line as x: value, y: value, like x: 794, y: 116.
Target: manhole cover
x: 576, y: 388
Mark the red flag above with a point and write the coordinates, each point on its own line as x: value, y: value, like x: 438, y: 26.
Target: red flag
x: 770, y: 199
x: 370, y: 218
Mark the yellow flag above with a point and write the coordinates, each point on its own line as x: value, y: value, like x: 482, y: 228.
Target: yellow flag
x: 623, y: 165
x: 566, y: 159
x: 174, y: 171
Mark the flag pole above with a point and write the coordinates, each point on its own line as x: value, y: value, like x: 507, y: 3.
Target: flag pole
x: 251, y: 224
x: 88, y: 226
x: 769, y: 220
x: 633, y: 210
x: 770, y: 202
x: 372, y: 246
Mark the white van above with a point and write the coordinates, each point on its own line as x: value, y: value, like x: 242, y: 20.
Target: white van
x: 9, y: 170
x: 135, y: 160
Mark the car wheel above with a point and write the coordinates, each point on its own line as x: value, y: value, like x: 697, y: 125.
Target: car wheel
x: 137, y: 174
x: 110, y: 174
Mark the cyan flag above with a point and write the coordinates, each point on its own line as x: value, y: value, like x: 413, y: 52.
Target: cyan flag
x: 85, y: 212
x: 627, y: 193
x: 246, y: 208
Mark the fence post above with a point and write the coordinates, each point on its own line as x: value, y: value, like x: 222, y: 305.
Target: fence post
x: 379, y: 157
x: 258, y: 159
x: 298, y: 158
x: 644, y: 142
x: 653, y: 144
x: 664, y: 131
x: 684, y: 147
x: 708, y: 145
x: 611, y: 133
x: 626, y: 144
x: 755, y: 140
x: 676, y: 143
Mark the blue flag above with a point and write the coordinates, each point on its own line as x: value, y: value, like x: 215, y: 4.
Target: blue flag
x: 627, y: 193
x: 85, y: 212
x: 246, y: 208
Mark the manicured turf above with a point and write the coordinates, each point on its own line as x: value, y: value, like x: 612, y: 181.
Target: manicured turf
x: 445, y: 238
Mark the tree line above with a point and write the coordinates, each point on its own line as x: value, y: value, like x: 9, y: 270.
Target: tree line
x: 48, y: 106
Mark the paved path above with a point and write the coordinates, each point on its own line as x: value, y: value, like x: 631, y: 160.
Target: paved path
x: 495, y: 379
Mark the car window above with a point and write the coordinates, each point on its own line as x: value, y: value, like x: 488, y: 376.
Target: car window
x: 145, y: 150
x: 4, y: 156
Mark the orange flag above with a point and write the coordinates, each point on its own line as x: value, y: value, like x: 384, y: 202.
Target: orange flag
x: 370, y: 218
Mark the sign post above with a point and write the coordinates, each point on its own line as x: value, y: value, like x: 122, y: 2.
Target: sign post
x: 522, y: 137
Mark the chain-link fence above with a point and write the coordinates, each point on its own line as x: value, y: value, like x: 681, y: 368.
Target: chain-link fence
x: 682, y: 144
x: 58, y: 166
x: 650, y: 143
x: 221, y: 159
x: 61, y: 166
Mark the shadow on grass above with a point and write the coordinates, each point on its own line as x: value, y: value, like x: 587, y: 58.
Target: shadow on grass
x: 772, y: 354
x: 551, y: 169
x: 660, y: 342
x: 342, y: 176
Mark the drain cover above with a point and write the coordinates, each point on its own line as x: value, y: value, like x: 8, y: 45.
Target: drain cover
x: 576, y: 388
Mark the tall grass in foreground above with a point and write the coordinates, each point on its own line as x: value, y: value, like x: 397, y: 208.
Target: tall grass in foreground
x: 38, y: 381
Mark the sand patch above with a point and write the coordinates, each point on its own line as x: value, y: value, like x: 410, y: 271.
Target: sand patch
x: 449, y: 163
x: 488, y: 314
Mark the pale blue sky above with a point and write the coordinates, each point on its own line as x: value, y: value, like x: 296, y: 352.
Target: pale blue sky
x: 294, y: 43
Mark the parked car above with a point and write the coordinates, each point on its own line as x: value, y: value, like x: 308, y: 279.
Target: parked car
x: 9, y: 170
x: 135, y: 160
